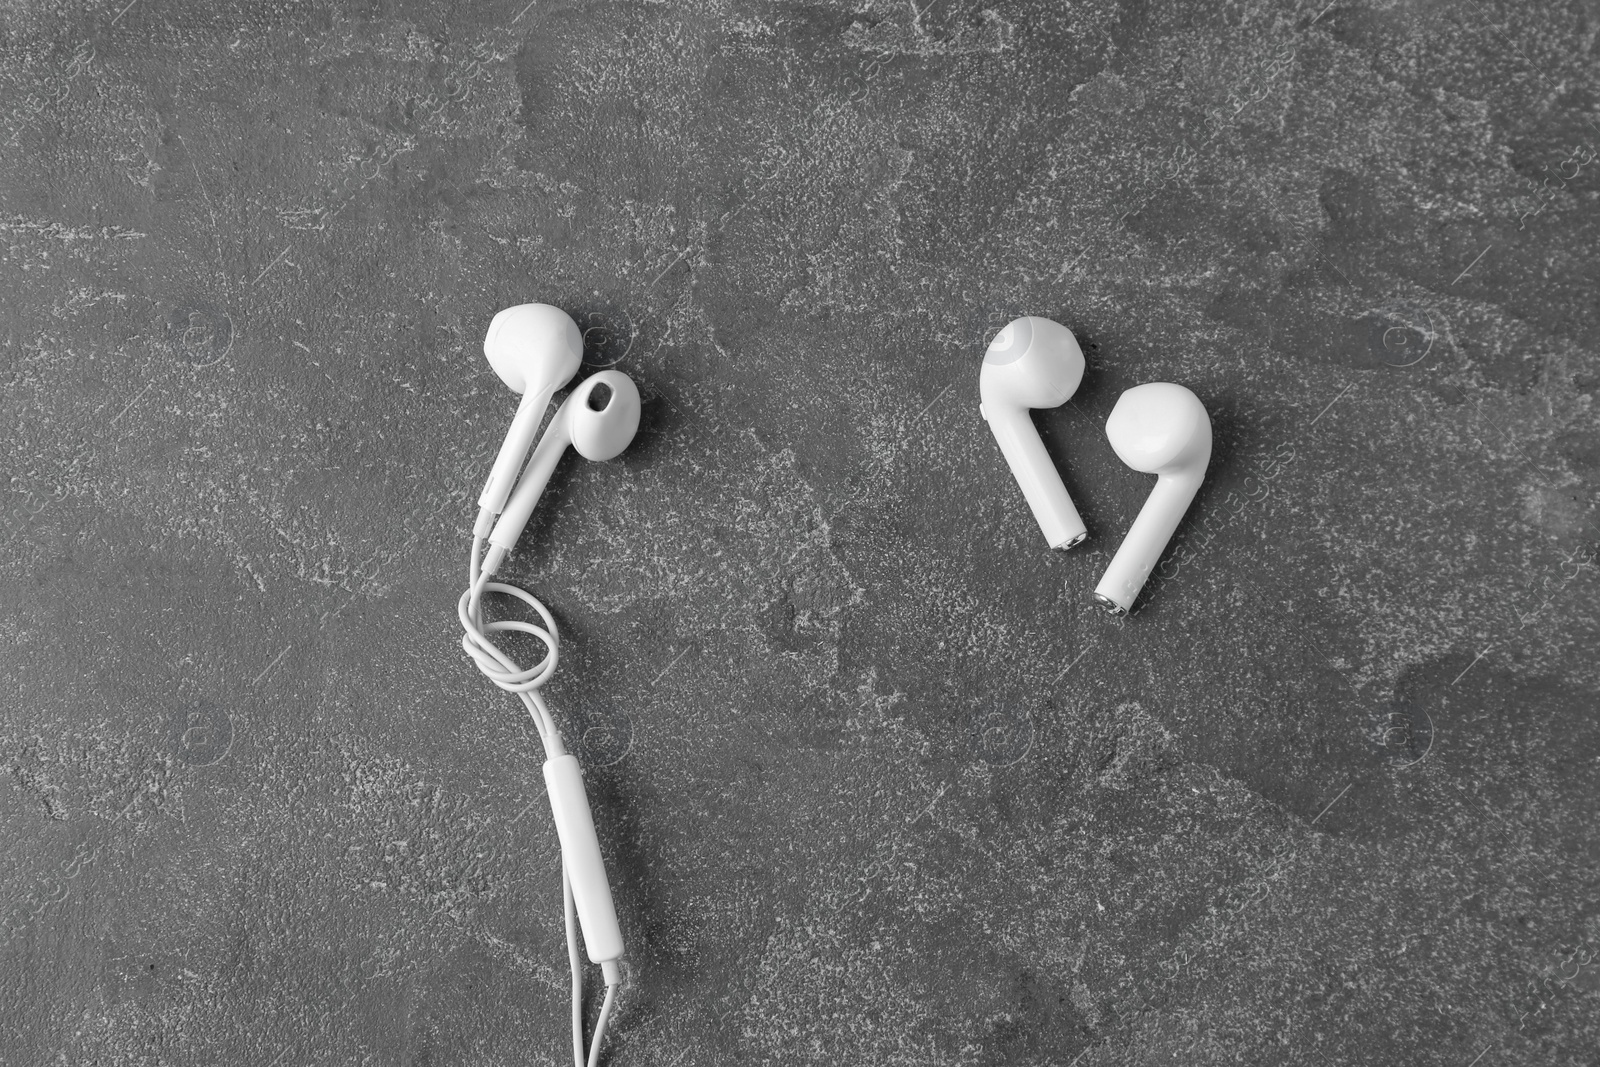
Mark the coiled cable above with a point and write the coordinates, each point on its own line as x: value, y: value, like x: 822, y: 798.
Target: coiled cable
x: 525, y: 682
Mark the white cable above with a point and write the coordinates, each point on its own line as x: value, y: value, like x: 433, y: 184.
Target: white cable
x: 525, y: 683
x: 500, y: 668
x: 600, y: 1024
x: 569, y: 908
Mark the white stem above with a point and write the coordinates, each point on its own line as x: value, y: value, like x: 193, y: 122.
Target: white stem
x: 1037, y: 475
x: 519, y: 439
x: 1147, y: 539
x: 532, y: 483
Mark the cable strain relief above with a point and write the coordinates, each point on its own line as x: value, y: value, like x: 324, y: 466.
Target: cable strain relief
x: 553, y: 746
x: 484, y: 524
x: 492, y: 560
x: 612, y: 971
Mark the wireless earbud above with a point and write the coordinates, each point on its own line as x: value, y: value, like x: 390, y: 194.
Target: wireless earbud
x: 1033, y: 363
x: 535, y: 349
x: 1161, y: 429
x: 598, y: 419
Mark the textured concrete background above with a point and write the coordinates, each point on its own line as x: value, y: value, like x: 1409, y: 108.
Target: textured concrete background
x: 877, y: 782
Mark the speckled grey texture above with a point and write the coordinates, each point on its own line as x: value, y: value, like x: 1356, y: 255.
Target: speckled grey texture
x: 877, y: 782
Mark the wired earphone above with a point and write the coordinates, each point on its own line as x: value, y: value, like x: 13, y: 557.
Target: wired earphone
x: 536, y: 349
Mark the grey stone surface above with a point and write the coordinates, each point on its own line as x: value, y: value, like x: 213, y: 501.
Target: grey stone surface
x: 877, y: 782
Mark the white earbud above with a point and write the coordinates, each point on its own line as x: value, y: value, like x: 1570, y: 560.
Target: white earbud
x: 535, y: 349
x: 1161, y: 429
x: 598, y: 419
x: 1033, y: 363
